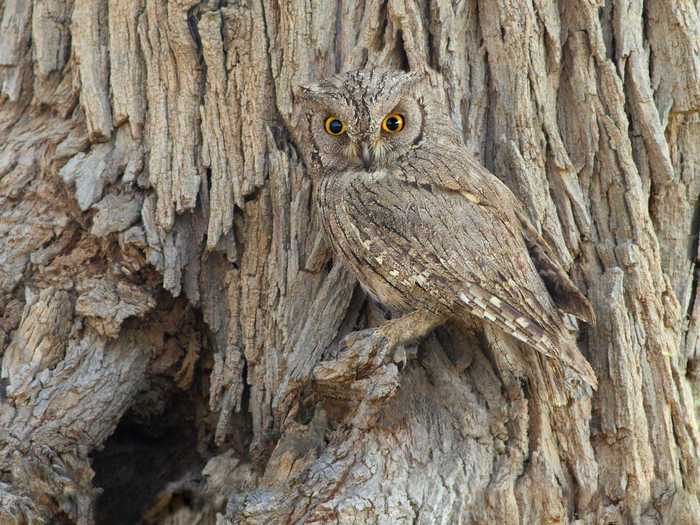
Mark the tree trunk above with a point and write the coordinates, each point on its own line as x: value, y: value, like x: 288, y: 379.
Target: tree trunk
x: 167, y: 295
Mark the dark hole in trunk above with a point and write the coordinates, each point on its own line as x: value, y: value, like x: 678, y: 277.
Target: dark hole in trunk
x: 144, y: 454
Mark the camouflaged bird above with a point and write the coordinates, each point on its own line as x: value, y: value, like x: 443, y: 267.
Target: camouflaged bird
x: 426, y: 229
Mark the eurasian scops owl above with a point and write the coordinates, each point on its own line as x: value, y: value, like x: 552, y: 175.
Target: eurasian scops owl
x: 427, y: 230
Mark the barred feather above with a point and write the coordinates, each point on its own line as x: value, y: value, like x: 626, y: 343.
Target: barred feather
x: 485, y: 305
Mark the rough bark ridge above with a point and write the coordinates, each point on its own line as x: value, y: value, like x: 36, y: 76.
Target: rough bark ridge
x: 166, y: 292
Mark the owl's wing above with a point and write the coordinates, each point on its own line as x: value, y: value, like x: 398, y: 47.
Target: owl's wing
x: 455, y: 251
x: 459, y: 172
x: 561, y: 288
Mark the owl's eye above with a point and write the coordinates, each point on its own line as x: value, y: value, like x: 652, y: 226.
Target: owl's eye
x: 334, y: 126
x: 393, y: 123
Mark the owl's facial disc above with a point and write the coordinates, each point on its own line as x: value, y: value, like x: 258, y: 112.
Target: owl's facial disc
x: 364, y: 119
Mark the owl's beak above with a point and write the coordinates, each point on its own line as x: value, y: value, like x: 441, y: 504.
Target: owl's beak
x: 366, y: 155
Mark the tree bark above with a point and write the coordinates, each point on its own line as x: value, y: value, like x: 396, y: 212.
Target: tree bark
x: 170, y: 313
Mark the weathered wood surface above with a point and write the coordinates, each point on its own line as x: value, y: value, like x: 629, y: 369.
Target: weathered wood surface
x: 166, y: 295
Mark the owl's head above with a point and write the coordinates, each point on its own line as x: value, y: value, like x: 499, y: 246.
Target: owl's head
x: 364, y: 119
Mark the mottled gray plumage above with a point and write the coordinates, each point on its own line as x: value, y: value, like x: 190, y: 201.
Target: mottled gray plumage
x: 425, y: 227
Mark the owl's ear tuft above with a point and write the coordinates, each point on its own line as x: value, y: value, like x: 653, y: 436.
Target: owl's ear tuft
x: 402, y: 84
x: 301, y: 93
x: 310, y: 94
x: 407, y: 81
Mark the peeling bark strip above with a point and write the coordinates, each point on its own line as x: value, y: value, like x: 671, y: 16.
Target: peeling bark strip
x: 127, y: 71
x: 173, y: 91
x: 92, y: 58
x: 165, y: 291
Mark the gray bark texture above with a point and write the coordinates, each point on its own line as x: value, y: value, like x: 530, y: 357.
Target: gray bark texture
x: 170, y: 313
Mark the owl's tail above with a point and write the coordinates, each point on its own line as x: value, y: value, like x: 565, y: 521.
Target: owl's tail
x: 565, y: 350
x: 560, y: 346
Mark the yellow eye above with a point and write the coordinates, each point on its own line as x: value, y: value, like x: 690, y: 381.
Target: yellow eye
x: 393, y: 123
x: 334, y: 126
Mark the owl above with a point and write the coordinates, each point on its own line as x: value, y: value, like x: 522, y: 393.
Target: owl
x: 426, y: 229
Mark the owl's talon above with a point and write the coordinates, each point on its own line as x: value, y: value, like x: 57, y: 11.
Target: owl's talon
x: 403, y: 354
x: 400, y: 357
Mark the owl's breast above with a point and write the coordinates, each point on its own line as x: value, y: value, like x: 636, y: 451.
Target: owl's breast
x: 357, y: 239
